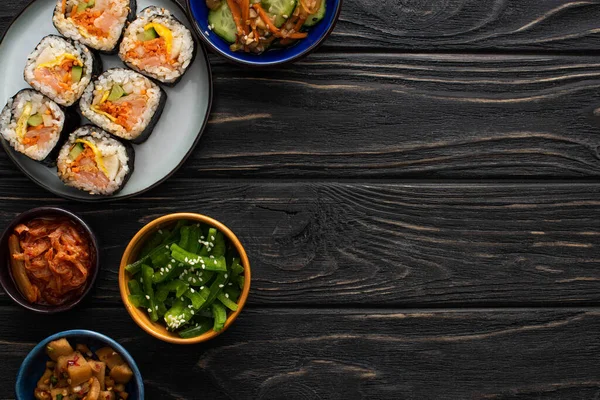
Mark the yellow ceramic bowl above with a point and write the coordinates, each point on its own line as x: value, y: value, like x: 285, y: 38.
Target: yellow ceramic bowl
x: 135, y: 245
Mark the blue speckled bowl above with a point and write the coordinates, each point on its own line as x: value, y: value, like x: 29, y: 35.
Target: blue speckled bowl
x: 34, y: 364
x: 199, y: 16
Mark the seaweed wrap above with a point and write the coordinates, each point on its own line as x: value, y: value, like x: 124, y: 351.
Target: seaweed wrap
x: 124, y: 103
x: 158, y: 45
x: 99, y: 24
x: 93, y: 161
x: 61, y: 69
x: 35, y: 126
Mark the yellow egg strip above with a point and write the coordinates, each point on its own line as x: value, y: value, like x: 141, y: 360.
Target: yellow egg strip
x: 163, y: 32
x: 59, y: 60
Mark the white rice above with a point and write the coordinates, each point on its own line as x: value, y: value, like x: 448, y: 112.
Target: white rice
x: 13, y: 111
x: 49, y: 49
x: 132, y: 83
x: 107, y: 146
x: 182, y: 50
x: 67, y: 27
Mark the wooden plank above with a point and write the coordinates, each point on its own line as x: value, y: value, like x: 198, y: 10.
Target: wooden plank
x: 377, y: 243
x: 433, y: 116
x: 449, y: 122
x: 349, y: 354
x: 556, y: 25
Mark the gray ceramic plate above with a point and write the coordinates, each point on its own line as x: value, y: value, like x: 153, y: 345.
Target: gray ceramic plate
x: 175, y: 135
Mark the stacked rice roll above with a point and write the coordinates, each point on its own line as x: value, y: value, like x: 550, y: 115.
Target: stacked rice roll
x: 93, y: 161
x: 98, y: 24
x: 157, y: 45
x: 124, y: 103
x: 34, y: 125
x: 61, y: 69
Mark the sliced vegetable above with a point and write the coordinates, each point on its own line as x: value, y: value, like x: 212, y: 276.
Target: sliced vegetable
x: 147, y: 274
x: 76, y: 150
x: 280, y: 9
x: 312, y: 19
x: 222, y: 23
x: 203, y: 325
x: 116, y: 92
x: 149, y: 34
x: 35, y: 120
x: 76, y: 73
x: 211, y: 263
x: 224, y: 299
x: 135, y: 267
x: 220, y: 315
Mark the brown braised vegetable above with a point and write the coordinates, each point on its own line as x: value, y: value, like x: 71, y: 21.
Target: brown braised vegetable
x: 75, y: 374
x: 19, y: 271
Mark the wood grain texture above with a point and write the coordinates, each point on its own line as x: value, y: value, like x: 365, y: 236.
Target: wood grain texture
x: 556, y: 25
x: 435, y: 244
x: 410, y: 116
x: 301, y: 354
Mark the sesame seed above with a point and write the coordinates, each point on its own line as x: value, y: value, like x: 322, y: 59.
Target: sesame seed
x: 212, y: 237
x: 147, y: 297
x: 201, y: 287
x: 192, y: 312
x: 221, y: 285
x: 230, y: 284
x: 207, y: 33
x: 192, y: 290
x: 142, y: 280
x: 227, y: 295
x: 225, y: 276
x: 166, y: 246
x: 201, y: 237
x: 203, y: 266
x: 156, y: 308
x: 149, y: 310
x: 216, y: 262
x: 160, y: 231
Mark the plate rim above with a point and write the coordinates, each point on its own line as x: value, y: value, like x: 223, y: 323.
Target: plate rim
x: 105, y: 199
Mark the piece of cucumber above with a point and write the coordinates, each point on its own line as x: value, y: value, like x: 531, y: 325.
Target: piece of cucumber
x: 149, y: 34
x: 116, y: 93
x: 281, y: 9
x: 76, y: 73
x: 35, y: 120
x: 221, y: 22
x: 76, y: 151
x: 312, y: 19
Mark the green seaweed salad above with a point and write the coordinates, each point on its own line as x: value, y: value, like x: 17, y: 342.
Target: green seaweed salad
x: 189, y: 277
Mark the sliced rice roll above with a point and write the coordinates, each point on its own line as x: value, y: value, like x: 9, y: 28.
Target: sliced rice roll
x: 93, y: 161
x: 158, y: 45
x: 98, y: 24
x: 61, y: 69
x: 34, y: 125
x: 124, y: 103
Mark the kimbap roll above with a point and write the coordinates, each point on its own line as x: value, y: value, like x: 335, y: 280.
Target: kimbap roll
x: 61, y: 69
x: 34, y: 125
x: 157, y: 45
x: 93, y: 161
x: 124, y: 103
x: 98, y: 24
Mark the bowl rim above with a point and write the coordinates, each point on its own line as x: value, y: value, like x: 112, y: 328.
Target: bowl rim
x: 141, y: 318
x: 258, y: 64
x: 86, y: 333
x: 36, y: 213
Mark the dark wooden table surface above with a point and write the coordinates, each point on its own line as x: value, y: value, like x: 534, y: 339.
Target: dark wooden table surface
x: 420, y: 201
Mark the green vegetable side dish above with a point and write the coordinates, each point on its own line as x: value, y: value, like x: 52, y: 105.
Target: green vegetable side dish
x: 254, y: 26
x: 187, y: 278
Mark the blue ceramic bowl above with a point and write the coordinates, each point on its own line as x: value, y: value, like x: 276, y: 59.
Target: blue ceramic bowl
x: 316, y: 34
x: 34, y: 364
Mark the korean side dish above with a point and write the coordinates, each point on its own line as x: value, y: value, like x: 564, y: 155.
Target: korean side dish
x: 254, y: 26
x: 61, y: 69
x: 76, y: 374
x: 188, y: 278
x: 98, y: 24
x: 51, y: 260
x: 157, y: 45
x: 125, y: 104
x: 33, y: 125
x: 93, y: 161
